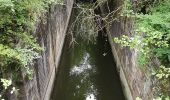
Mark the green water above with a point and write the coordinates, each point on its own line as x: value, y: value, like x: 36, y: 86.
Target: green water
x: 87, y: 72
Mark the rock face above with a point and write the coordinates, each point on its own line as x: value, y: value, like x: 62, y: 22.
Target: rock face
x: 51, y: 35
x: 134, y: 79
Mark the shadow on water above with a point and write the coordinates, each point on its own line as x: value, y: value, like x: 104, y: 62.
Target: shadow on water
x: 87, y: 72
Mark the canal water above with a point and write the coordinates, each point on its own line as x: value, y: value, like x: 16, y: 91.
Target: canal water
x: 87, y: 71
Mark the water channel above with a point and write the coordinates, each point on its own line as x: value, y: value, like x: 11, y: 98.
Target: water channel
x: 87, y: 71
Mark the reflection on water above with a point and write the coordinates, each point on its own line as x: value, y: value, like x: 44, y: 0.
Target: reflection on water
x: 83, y: 70
x: 92, y: 93
x: 83, y: 67
x: 87, y: 73
x: 91, y: 97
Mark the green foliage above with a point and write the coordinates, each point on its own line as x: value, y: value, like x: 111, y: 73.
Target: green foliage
x: 131, y: 42
x: 163, y: 72
x: 162, y: 98
x: 6, y: 83
x: 127, y: 9
x: 152, y: 36
x: 154, y: 26
x: 18, y: 48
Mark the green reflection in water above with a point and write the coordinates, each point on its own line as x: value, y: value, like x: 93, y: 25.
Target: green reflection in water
x: 86, y: 74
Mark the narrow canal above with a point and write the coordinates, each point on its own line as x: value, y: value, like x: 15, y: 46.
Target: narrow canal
x: 87, y: 72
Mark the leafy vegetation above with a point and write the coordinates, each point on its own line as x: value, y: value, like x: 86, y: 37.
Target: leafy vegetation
x: 152, y: 36
x: 18, y: 47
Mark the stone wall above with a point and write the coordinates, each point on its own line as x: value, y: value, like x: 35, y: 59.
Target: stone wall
x: 136, y: 81
x: 50, y: 34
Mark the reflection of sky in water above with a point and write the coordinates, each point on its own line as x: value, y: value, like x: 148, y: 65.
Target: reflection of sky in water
x: 80, y: 69
x: 91, y: 97
x: 84, y: 69
x: 91, y: 94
